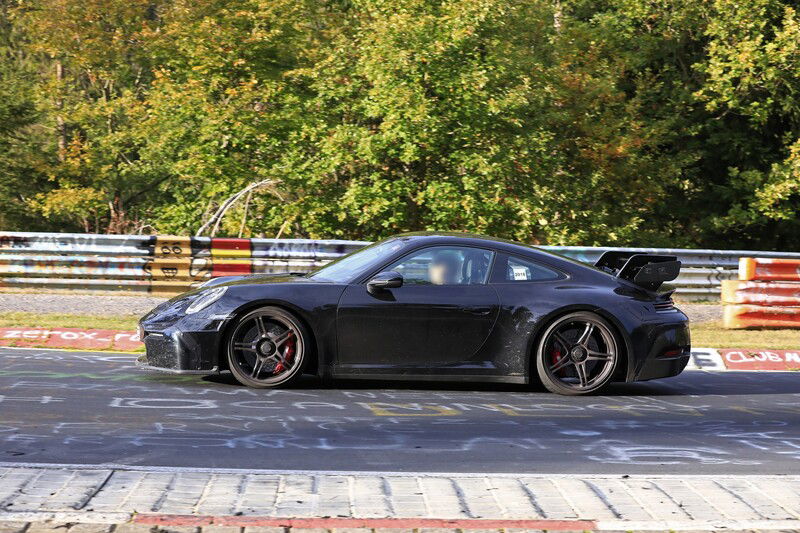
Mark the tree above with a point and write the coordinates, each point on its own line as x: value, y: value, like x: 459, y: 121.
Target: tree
x: 22, y: 163
x: 752, y: 87
x: 624, y: 122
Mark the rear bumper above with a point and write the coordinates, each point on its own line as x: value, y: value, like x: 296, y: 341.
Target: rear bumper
x: 668, y: 352
x: 663, y: 368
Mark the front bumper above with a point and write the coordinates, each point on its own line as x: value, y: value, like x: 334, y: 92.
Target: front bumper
x: 182, y: 351
x: 179, y: 343
x: 143, y: 364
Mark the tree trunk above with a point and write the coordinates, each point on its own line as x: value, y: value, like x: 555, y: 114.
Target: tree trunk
x: 61, y: 129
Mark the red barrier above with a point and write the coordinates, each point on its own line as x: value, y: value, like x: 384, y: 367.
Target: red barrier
x: 772, y: 293
x: 756, y: 316
x: 231, y: 247
x: 231, y: 268
x: 762, y: 269
x: 761, y: 359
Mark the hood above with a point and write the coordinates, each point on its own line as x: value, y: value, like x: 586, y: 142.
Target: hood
x: 257, y: 279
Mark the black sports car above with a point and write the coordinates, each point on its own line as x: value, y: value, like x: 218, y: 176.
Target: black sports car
x: 433, y: 306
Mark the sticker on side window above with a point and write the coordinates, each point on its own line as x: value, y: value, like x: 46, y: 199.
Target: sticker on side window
x: 521, y: 273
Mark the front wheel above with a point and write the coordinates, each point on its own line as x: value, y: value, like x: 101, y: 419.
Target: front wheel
x: 577, y: 354
x: 267, y: 348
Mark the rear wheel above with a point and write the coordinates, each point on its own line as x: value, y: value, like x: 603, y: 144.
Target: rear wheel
x: 267, y: 348
x: 577, y: 354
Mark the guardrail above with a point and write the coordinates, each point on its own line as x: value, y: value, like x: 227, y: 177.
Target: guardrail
x: 170, y: 264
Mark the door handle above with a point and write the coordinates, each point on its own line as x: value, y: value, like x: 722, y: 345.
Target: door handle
x: 477, y: 310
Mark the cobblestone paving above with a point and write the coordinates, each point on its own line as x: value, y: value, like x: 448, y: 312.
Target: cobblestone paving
x: 628, y: 498
x: 23, y: 527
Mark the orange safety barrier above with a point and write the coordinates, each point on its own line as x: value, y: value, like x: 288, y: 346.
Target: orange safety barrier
x: 763, y: 269
x: 767, y: 294
x: 770, y: 293
x: 757, y: 316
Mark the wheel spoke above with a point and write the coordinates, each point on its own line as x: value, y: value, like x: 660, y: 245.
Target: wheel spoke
x: 561, y: 363
x: 587, y: 333
x: 560, y: 338
x: 278, y: 358
x: 257, y: 366
x: 582, y: 376
x: 262, y: 327
x: 599, y: 356
x: 245, y: 346
x: 281, y: 338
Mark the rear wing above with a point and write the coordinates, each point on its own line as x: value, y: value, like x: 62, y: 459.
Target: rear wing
x: 646, y: 270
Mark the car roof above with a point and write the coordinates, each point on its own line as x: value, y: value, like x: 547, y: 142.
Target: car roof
x: 475, y: 239
x: 443, y: 235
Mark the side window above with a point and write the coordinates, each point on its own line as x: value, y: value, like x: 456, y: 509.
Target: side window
x: 514, y: 269
x: 445, y: 265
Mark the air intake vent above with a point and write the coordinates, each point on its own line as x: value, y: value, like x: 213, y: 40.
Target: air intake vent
x: 663, y: 307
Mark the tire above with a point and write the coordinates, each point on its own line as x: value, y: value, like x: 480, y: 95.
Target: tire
x: 268, y: 348
x: 577, y: 354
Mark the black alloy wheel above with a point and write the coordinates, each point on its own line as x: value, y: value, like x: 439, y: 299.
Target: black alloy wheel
x: 267, y: 348
x: 577, y: 354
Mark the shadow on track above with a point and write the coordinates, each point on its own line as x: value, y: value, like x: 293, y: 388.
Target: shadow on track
x: 691, y: 383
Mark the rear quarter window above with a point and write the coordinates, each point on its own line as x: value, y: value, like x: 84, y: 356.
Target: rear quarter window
x: 513, y: 269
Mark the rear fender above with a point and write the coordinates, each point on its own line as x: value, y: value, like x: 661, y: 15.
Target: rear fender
x: 542, y: 324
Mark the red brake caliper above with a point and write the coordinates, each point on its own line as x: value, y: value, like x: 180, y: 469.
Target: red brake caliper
x: 556, y: 355
x: 288, y: 355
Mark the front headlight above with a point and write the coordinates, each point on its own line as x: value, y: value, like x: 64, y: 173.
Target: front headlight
x: 207, y: 298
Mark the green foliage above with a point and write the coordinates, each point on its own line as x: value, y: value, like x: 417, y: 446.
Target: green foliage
x: 22, y: 161
x: 753, y: 74
x: 624, y: 122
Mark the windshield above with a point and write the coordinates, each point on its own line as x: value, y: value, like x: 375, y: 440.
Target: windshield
x: 353, y: 265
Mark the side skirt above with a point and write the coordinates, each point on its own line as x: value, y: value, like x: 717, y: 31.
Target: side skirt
x: 428, y: 377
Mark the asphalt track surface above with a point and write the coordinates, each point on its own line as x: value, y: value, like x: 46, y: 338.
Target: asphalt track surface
x: 98, y: 408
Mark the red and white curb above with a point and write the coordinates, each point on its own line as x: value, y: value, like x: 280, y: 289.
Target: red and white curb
x: 744, y: 359
x: 331, y: 523
x: 103, y: 339
x: 75, y: 338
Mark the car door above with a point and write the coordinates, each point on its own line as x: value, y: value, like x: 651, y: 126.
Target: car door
x: 439, y: 317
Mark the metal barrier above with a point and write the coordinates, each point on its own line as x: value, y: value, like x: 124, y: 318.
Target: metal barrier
x: 157, y: 264
x: 171, y: 264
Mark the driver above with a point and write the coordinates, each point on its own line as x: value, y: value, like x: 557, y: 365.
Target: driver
x: 444, y: 268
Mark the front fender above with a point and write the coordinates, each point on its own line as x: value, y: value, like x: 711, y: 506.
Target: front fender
x: 312, y: 304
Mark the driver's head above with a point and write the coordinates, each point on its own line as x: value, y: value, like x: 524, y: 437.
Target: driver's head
x: 444, y: 268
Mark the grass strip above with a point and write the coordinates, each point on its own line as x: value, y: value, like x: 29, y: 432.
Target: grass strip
x: 58, y: 320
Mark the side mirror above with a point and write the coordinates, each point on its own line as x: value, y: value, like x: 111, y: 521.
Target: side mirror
x: 385, y: 280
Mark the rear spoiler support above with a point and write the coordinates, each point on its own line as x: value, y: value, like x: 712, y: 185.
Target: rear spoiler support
x: 645, y: 270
